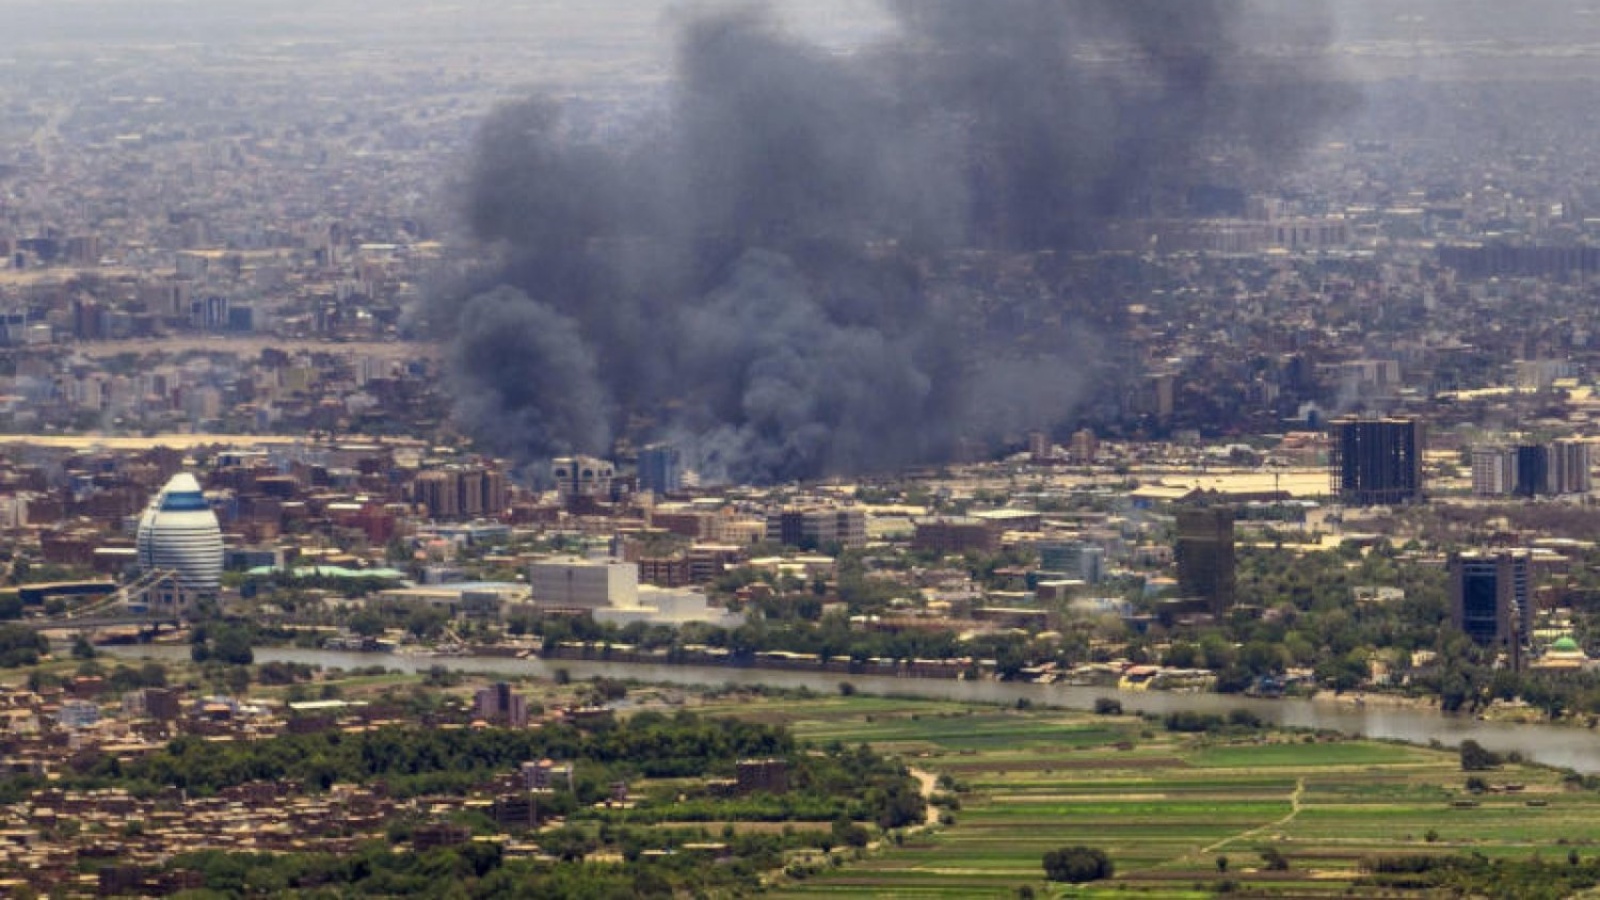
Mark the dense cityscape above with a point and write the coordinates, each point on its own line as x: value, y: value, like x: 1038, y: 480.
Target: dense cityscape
x: 874, y: 449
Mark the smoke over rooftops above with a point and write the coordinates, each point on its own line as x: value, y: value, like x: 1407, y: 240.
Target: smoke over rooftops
x: 746, y: 277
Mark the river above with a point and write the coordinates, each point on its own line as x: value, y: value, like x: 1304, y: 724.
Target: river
x: 1562, y: 746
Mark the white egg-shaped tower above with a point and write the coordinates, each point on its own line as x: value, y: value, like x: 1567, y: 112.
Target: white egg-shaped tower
x: 179, y: 533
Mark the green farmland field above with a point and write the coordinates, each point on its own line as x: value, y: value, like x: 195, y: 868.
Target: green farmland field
x: 1165, y: 806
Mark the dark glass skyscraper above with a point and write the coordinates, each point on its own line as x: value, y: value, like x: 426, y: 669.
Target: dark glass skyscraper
x: 660, y: 469
x: 1490, y: 599
x: 1205, y: 555
x: 1533, y: 470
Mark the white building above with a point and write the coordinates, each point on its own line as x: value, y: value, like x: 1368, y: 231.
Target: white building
x: 179, y: 533
x: 669, y: 606
x: 572, y: 583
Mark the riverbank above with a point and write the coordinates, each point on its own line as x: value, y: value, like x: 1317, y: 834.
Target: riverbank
x: 1568, y: 748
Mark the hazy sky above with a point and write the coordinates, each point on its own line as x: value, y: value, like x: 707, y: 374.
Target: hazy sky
x: 31, y: 20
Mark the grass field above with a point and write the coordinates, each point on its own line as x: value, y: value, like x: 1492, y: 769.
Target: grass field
x: 1166, y: 806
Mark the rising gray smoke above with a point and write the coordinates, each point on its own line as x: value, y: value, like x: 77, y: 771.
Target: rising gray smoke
x: 749, y: 276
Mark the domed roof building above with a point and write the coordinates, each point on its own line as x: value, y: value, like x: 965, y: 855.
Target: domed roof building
x: 179, y: 533
x: 1563, y: 655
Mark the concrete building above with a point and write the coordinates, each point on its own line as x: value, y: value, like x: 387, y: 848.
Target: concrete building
x: 460, y: 493
x: 1376, y: 462
x: 1494, y: 471
x: 1570, y: 467
x: 78, y: 714
x: 500, y: 705
x: 572, y: 583
x: 1533, y: 470
x: 955, y: 534
x: 817, y: 529
x: 582, y: 478
x: 1073, y: 559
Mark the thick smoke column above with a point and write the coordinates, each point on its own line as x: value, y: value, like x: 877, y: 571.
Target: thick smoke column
x: 749, y: 276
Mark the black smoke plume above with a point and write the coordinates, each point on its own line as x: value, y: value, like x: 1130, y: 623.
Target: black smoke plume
x: 761, y: 275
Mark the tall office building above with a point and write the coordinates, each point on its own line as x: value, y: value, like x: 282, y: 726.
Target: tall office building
x: 1530, y: 470
x: 1376, y: 462
x: 1570, y: 467
x: 1205, y: 555
x: 179, y: 533
x: 1494, y: 471
x: 1533, y: 470
x: 1490, y: 599
x: 660, y: 469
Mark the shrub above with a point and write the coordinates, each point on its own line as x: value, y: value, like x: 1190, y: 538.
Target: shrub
x: 1077, y: 864
x: 1107, y: 706
x: 1475, y: 758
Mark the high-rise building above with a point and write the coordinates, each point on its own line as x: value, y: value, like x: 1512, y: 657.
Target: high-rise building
x: 1084, y: 446
x: 1571, y: 464
x: 660, y: 469
x: 1376, y: 462
x: 438, y: 491
x: 179, y: 533
x: 1205, y: 555
x: 1039, y: 448
x: 1494, y: 471
x: 498, y: 704
x: 1533, y: 470
x: 1490, y: 599
x: 1529, y: 470
x: 582, y: 477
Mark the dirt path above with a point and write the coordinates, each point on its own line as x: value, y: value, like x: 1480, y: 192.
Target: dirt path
x: 930, y: 783
x: 1294, y: 810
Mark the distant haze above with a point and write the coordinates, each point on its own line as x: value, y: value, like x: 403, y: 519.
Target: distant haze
x: 248, y: 21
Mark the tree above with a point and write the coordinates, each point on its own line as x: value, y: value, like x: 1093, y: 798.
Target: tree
x: 367, y: 623
x: 1077, y: 864
x: 1474, y: 758
x: 848, y: 833
x: 232, y: 645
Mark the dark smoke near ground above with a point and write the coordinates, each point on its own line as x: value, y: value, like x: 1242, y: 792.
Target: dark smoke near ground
x: 753, y: 276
